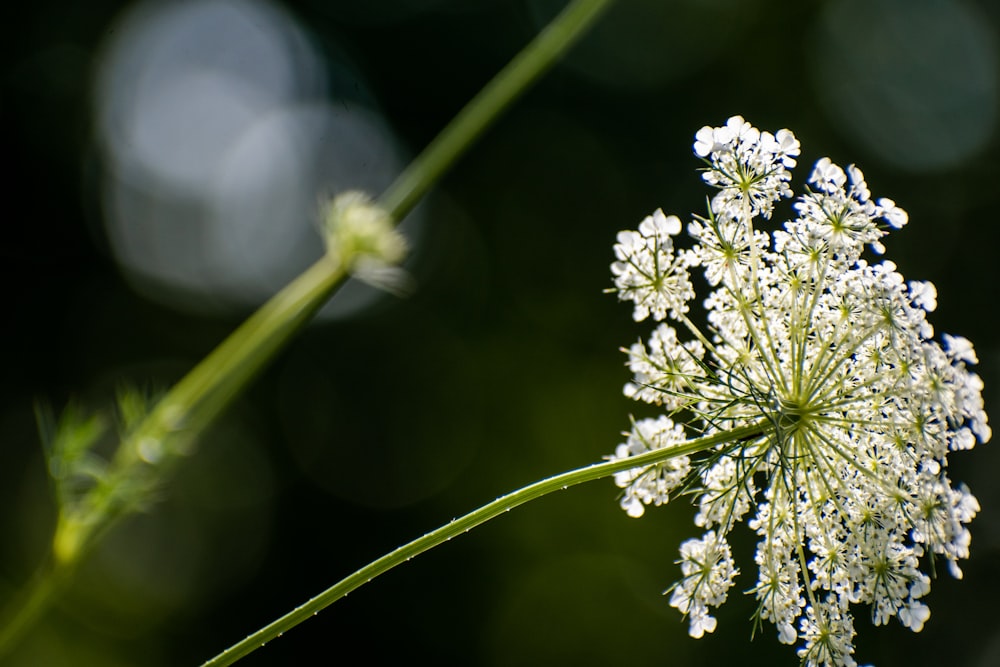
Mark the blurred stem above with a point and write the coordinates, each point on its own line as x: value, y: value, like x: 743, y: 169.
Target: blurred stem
x: 198, y: 398
x: 509, y: 84
x: 177, y: 418
x: 466, y: 523
x: 194, y: 402
x: 26, y: 608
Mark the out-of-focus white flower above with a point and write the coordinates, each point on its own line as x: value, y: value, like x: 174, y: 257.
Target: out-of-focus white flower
x: 361, y: 235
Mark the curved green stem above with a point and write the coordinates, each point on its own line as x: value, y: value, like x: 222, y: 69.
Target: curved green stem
x: 464, y: 524
x: 509, y: 84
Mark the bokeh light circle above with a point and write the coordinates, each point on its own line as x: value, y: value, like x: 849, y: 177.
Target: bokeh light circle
x: 219, y: 138
x: 914, y: 83
x: 646, y: 44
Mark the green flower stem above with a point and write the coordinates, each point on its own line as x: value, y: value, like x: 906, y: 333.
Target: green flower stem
x: 203, y: 393
x: 512, y: 81
x: 207, y: 389
x: 29, y: 605
x: 466, y: 523
x: 194, y: 402
x: 199, y: 397
x: 177, y: 418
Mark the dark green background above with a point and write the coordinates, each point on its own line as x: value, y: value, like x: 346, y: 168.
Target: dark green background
x: 503, y: 367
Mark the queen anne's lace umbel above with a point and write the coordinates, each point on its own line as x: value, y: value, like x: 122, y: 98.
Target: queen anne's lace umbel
x: 832, y: 359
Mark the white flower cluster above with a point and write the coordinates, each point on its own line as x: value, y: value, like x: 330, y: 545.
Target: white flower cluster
x: 829, y: 361
x: 649, y: 272
x: 652, y: 485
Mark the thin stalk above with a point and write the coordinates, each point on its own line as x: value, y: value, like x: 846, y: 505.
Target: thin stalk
x: 181, y: 414
x: 466, y: 523
x: 508, y: 85
x: 197, y: 399
x: 194, y: 402
x: 30, y: 604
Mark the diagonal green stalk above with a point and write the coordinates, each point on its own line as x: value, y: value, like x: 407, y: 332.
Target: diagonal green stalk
x: 179, y: 416
x: 198, y: 398
x: 466, y: 523
x: 508, y: 85
x: 30, y: 604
